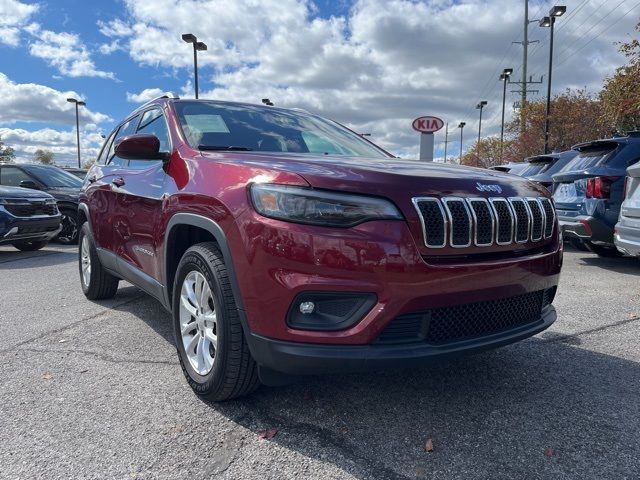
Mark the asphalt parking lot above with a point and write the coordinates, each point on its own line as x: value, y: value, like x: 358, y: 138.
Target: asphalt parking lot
x: 94, y: 390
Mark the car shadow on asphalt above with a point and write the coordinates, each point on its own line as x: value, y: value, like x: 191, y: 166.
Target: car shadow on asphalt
x: 17, y: 260
x: 542, y: 408
x: 626, y: 265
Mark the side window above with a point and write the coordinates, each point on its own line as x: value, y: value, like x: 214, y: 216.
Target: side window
x: 12, y: 176
x: 128, y: 128
x: 153, y: 122
x: 102, y: 158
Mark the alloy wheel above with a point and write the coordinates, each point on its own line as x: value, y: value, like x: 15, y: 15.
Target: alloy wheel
x: 85, y: 259
x: 69, y: 228
x: 198, y: 322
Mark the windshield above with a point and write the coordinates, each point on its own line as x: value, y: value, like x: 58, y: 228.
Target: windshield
x: 221, y: 126
x: 588, y: 159
x: 53, y: 177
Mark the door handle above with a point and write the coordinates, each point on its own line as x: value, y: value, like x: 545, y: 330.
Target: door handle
x: 118, y: 181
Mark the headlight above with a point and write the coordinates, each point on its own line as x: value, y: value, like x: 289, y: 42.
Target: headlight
x: 319, y: 207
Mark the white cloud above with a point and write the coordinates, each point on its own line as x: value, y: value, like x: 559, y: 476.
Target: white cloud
x: 145, y: 95
x: 65, y: 52
x: 13, y: 15
x: 378, y: 66
x: 30, y: 102
x: 61, y: 143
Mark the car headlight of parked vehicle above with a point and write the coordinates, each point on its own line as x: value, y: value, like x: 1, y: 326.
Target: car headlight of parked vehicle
x: 319, y: 207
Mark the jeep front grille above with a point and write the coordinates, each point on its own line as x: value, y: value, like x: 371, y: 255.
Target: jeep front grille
x: 461, y: 222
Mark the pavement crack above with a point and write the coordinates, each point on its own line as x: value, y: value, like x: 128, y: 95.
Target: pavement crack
x: 69, y: 326
x: 99, y: 355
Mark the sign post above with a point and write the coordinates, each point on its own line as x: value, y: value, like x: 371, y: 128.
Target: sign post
x: 427, y: 126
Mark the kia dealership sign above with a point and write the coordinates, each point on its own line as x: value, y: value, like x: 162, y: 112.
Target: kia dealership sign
x: 427, y: 124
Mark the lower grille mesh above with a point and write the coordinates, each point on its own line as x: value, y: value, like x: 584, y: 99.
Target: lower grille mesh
x: 463, y: 322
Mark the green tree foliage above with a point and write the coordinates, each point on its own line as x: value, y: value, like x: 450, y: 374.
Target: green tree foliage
x: 7, y: 154
x: 44, y: 156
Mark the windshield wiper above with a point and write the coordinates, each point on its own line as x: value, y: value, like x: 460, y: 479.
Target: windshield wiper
x: 227, y: 148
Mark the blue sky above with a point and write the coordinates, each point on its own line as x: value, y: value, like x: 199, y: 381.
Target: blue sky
x: 373, y: 64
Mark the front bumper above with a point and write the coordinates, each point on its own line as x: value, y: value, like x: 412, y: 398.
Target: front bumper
x: 312, y: 359
x: 30, y: 229
x: 586, y: 227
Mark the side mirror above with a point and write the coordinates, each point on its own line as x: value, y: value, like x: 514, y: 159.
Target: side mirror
x: 141, y: 146
x: 29, y: 184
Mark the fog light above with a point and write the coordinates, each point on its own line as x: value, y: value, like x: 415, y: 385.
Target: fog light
x: 307, y: 307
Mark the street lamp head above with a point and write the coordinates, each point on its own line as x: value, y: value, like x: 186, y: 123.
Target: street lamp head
x: 507, y: 71
x: 72, y: 100
x: 81, y: 104
x: 189, y: 38
x: 461, y: 125
x: 545, y: 22
x: 481, y: 105
x: 267, y: 102
x: 201, y: 46
x: 557, y: 11
x: 504, y: 76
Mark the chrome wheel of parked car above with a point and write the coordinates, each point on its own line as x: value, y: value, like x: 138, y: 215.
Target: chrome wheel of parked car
x: 198, y: 322
x: 85, y: 259
x: 69, y: 222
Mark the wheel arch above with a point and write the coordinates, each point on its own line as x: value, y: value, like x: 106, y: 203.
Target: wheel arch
x: 184, y: 230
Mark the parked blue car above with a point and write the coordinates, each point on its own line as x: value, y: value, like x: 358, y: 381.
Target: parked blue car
x: 588, y: 192
x: 28, y: 218
x: 547, y: 165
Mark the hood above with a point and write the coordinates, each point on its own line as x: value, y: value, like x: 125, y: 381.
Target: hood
x: 68, y: 194
x: 390, y: 177
x: 27, y: 193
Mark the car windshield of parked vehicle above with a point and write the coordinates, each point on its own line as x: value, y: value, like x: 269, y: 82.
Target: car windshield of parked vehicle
x: 229, y: 127
x: 53, y: 177
x: 589, y: 158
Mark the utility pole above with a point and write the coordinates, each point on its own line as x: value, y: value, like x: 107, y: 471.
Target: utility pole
x: 446, y: 140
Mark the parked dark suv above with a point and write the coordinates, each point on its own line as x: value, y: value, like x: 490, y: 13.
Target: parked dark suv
x: 588, y: 192
x: 284, y: 244
x: 545, y: 166
x: 28, y: 219
x: 63, y: 186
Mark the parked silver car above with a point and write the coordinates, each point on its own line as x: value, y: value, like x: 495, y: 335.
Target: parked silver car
x: 627, y: 232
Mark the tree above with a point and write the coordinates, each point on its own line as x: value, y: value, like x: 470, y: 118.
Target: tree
x: 576, y: 116
x: 488, y: 153
x: 620, y: 95
x: 88, y: 164
x: 7, y: 154
x: 44, y: 156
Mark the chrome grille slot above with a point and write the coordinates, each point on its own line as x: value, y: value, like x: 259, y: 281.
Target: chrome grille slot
x: 459, y: 221
x: 504, y: 220
x: 482, y: 220
x: 433, y: 220
x: 550, y: 216
x: 537, y: 219
x: 521, y: 213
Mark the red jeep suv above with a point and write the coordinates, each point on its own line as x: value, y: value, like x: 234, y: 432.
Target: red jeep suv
x: 285, y: 244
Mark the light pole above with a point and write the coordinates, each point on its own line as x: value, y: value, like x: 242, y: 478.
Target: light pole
x: 78, y: 103
x: 197, y: 46
x: 504, y: 77
x: 461, y: 127
x: 556, y: 11
x: 480, y: 106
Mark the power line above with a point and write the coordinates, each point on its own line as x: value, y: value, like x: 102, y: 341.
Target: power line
x: 598, y: 35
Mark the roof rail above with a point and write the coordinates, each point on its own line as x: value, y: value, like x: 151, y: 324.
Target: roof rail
x: 171, y: 95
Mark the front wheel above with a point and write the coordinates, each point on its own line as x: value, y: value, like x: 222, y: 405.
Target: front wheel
x: 602, y: 251
x: 69, y: 233
x: 30, y: 246
x: 213, y: 351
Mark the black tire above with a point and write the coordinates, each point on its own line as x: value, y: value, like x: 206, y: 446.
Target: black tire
x: 70, y: 228
x: 101, y: 284
x: 578, y: 244
x: 30, y: 246
x: 602, y: 251
x: 234, y: 372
